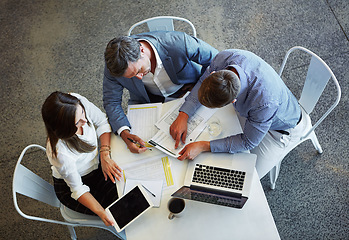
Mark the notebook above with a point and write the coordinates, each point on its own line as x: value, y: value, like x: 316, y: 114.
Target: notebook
x: 221, y: 179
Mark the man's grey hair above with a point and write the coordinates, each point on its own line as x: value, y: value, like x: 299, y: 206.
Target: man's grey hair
x: 119, y: 52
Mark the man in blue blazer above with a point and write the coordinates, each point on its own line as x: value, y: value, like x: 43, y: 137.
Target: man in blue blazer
x: 154, y: 67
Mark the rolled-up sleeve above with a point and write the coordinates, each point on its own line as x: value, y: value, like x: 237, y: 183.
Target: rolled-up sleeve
x: 65, y: 166
x: 256, y: 126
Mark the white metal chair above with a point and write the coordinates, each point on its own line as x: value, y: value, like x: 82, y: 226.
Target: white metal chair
x: 162, y: 23
x: 318, y: 75
x: 29, y: 184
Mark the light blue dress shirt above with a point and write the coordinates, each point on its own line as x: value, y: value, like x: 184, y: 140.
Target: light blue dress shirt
x: 264, y: 100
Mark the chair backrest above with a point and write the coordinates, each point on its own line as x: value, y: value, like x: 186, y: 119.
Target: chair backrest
x: 162, y: 23
x: 317, y: 77
x: 29, y: 184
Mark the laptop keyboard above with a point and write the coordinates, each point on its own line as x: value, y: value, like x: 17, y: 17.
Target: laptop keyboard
x: 208, y: 198
x: 215, y: 200
x: 219, y: 177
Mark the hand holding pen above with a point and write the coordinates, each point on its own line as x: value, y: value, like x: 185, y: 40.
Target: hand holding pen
x: 135, y: 145
x: 138, y: 144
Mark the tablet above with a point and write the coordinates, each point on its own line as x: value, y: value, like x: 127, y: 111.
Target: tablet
x: 129, y: 207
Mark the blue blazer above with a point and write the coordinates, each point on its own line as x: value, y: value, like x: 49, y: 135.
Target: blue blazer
x: 185, y: 58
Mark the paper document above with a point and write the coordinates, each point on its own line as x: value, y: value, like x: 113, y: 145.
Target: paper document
x: 163, y: 141
x: 155, y: 168
x: 142, y: 118
x: 152, y: 187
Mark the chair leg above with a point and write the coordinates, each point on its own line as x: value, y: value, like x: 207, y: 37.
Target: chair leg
x: 315, y: 142
x: 72, y: 233
x: 273, y: 175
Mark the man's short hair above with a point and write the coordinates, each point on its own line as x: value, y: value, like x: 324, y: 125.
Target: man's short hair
x: 219, y: 89
x: 119, y: 52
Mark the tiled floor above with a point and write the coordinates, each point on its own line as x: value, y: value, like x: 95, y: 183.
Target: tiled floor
x: 51, y: 45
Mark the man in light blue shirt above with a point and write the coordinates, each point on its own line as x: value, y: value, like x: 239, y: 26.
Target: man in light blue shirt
x: 258, y: 94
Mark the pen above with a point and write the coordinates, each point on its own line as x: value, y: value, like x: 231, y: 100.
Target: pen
x: 148, y: 191
x: 156, y: 144
x: 133, y: 141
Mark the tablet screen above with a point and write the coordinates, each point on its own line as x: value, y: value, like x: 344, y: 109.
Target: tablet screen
x: 129, y: 207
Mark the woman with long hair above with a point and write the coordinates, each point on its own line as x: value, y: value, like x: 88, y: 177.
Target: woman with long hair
x: 84, y: 180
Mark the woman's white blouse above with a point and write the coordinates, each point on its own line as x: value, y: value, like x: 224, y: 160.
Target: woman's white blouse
x: 70, y: 165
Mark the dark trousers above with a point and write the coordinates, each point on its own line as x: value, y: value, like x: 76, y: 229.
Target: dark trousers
x: 104, y: 192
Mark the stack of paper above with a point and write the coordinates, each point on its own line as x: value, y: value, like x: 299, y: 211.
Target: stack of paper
x: 142, y: 118
x: 156, y: 170
x: 163, y: 141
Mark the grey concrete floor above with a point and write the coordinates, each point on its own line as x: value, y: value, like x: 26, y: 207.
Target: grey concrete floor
x: 51, y: 45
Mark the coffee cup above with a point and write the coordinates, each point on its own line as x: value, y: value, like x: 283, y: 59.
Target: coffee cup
x: 176, y: 207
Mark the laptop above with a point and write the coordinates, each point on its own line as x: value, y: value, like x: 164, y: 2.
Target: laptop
x: 221, y: 178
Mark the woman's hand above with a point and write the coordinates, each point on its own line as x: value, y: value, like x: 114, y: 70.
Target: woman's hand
x: 106, y: 218
x: 109, y: 167
x: 91, y: 203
